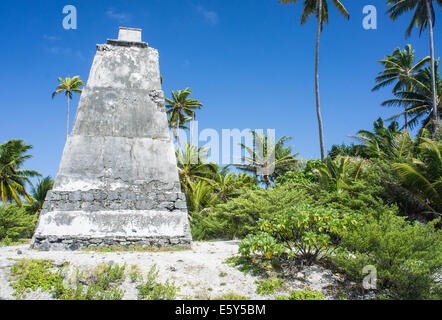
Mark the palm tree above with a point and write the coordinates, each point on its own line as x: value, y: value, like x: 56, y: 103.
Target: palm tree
x: 320, y: 9
x: 192, y: 166
x: 266, y: 158
x: 340, y: 172
x: 68, y: 86
x: 177, y: 122
x: 400, y: 68
x: 419, y: 102
x: 423, y: 17
x: 200, y: 196
x: 12, y: 179
x: 423, y: 176
x: 180, y: 106
x: 39, y: 193
x: 385, y: 143
x: 227, y: 186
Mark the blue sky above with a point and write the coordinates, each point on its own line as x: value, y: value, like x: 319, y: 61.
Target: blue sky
x: 250, y: 62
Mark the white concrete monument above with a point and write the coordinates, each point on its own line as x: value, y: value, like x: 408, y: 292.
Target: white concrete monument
x: 118, y: 182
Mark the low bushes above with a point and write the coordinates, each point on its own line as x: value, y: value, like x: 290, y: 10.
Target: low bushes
x: 239, y: 217
x: 407, y: 256
x: 303, y: 232
x: 15, y: 224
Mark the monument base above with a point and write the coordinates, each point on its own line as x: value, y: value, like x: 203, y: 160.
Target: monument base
x: 75, y: 230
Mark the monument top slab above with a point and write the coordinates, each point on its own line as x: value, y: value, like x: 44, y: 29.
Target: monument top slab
x: 129, y: 34
x: 128, y: 37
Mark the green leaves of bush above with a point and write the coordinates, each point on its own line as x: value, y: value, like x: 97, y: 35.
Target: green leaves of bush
x: 239, y: 217
x: 407, y: 256
x: 303, y: 231
x: 151, y: 289
x: 15, y: 224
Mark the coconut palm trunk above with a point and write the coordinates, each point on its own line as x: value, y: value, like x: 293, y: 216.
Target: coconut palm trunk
x: 67, y: 121
x: 433, y: 76
x: 318, y: 101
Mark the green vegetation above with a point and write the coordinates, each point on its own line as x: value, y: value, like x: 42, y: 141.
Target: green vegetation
x: 269, y: 286
x: 13, y: 179
x: 15, y: 224
x: 31, y: 275
x: 407, y: 256
x: 304, y: 233
x: 151, y: 289
x: 303, y: 295
x: 239, y: 216
x: 231, y: 296
x: 180, y: 110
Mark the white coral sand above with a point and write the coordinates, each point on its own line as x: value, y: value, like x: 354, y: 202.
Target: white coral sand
x: 200, y: 272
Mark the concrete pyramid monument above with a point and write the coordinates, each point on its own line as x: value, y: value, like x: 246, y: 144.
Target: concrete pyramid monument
x: 118, y: 182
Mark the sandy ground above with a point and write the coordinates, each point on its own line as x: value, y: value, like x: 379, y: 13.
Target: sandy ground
x: 201, y: 272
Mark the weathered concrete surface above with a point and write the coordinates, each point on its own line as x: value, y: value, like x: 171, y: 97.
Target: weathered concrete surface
x: 118, y: 180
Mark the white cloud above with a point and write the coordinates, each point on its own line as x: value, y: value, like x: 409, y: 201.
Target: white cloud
x: 210, y: 16
x: 121, y: 17
x: 50, y: 38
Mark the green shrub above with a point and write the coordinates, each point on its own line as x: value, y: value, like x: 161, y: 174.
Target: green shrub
x: 303, y: 295
x: 268, y: 286
x: 306, y: 295
x: 231, y: 296
x: 261, y: 244
x: 361, y: 197
x: 238, y: 217
x: 102, y: 285
x: 151, y: 289
x: 30, y: 275
x: 407, y: 256
x: 303, y: 232
x: 15, y: 224
x: 305, y: 176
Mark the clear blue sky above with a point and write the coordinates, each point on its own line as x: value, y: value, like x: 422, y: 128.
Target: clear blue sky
x: 250, y: 62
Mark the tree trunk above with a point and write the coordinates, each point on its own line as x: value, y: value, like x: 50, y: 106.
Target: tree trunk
x: 67, y: 121
x: 191, y: 129
x: 318, y: 102
x: 436, y: 118
x: 406, y: 119
x: 177, y: 137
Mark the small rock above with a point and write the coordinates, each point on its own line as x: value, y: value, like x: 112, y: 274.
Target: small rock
x: 300, y: 276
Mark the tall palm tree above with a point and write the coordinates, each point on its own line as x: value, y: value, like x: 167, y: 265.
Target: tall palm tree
x: 179, y: 106
x: 68, y: 86
x: 320, y: 9
x: 424, y: 16
x: 267, y: 159
x: 176, y: 122
x: 400, y: 68
x: 419, y: 101
x: 12, y: 179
